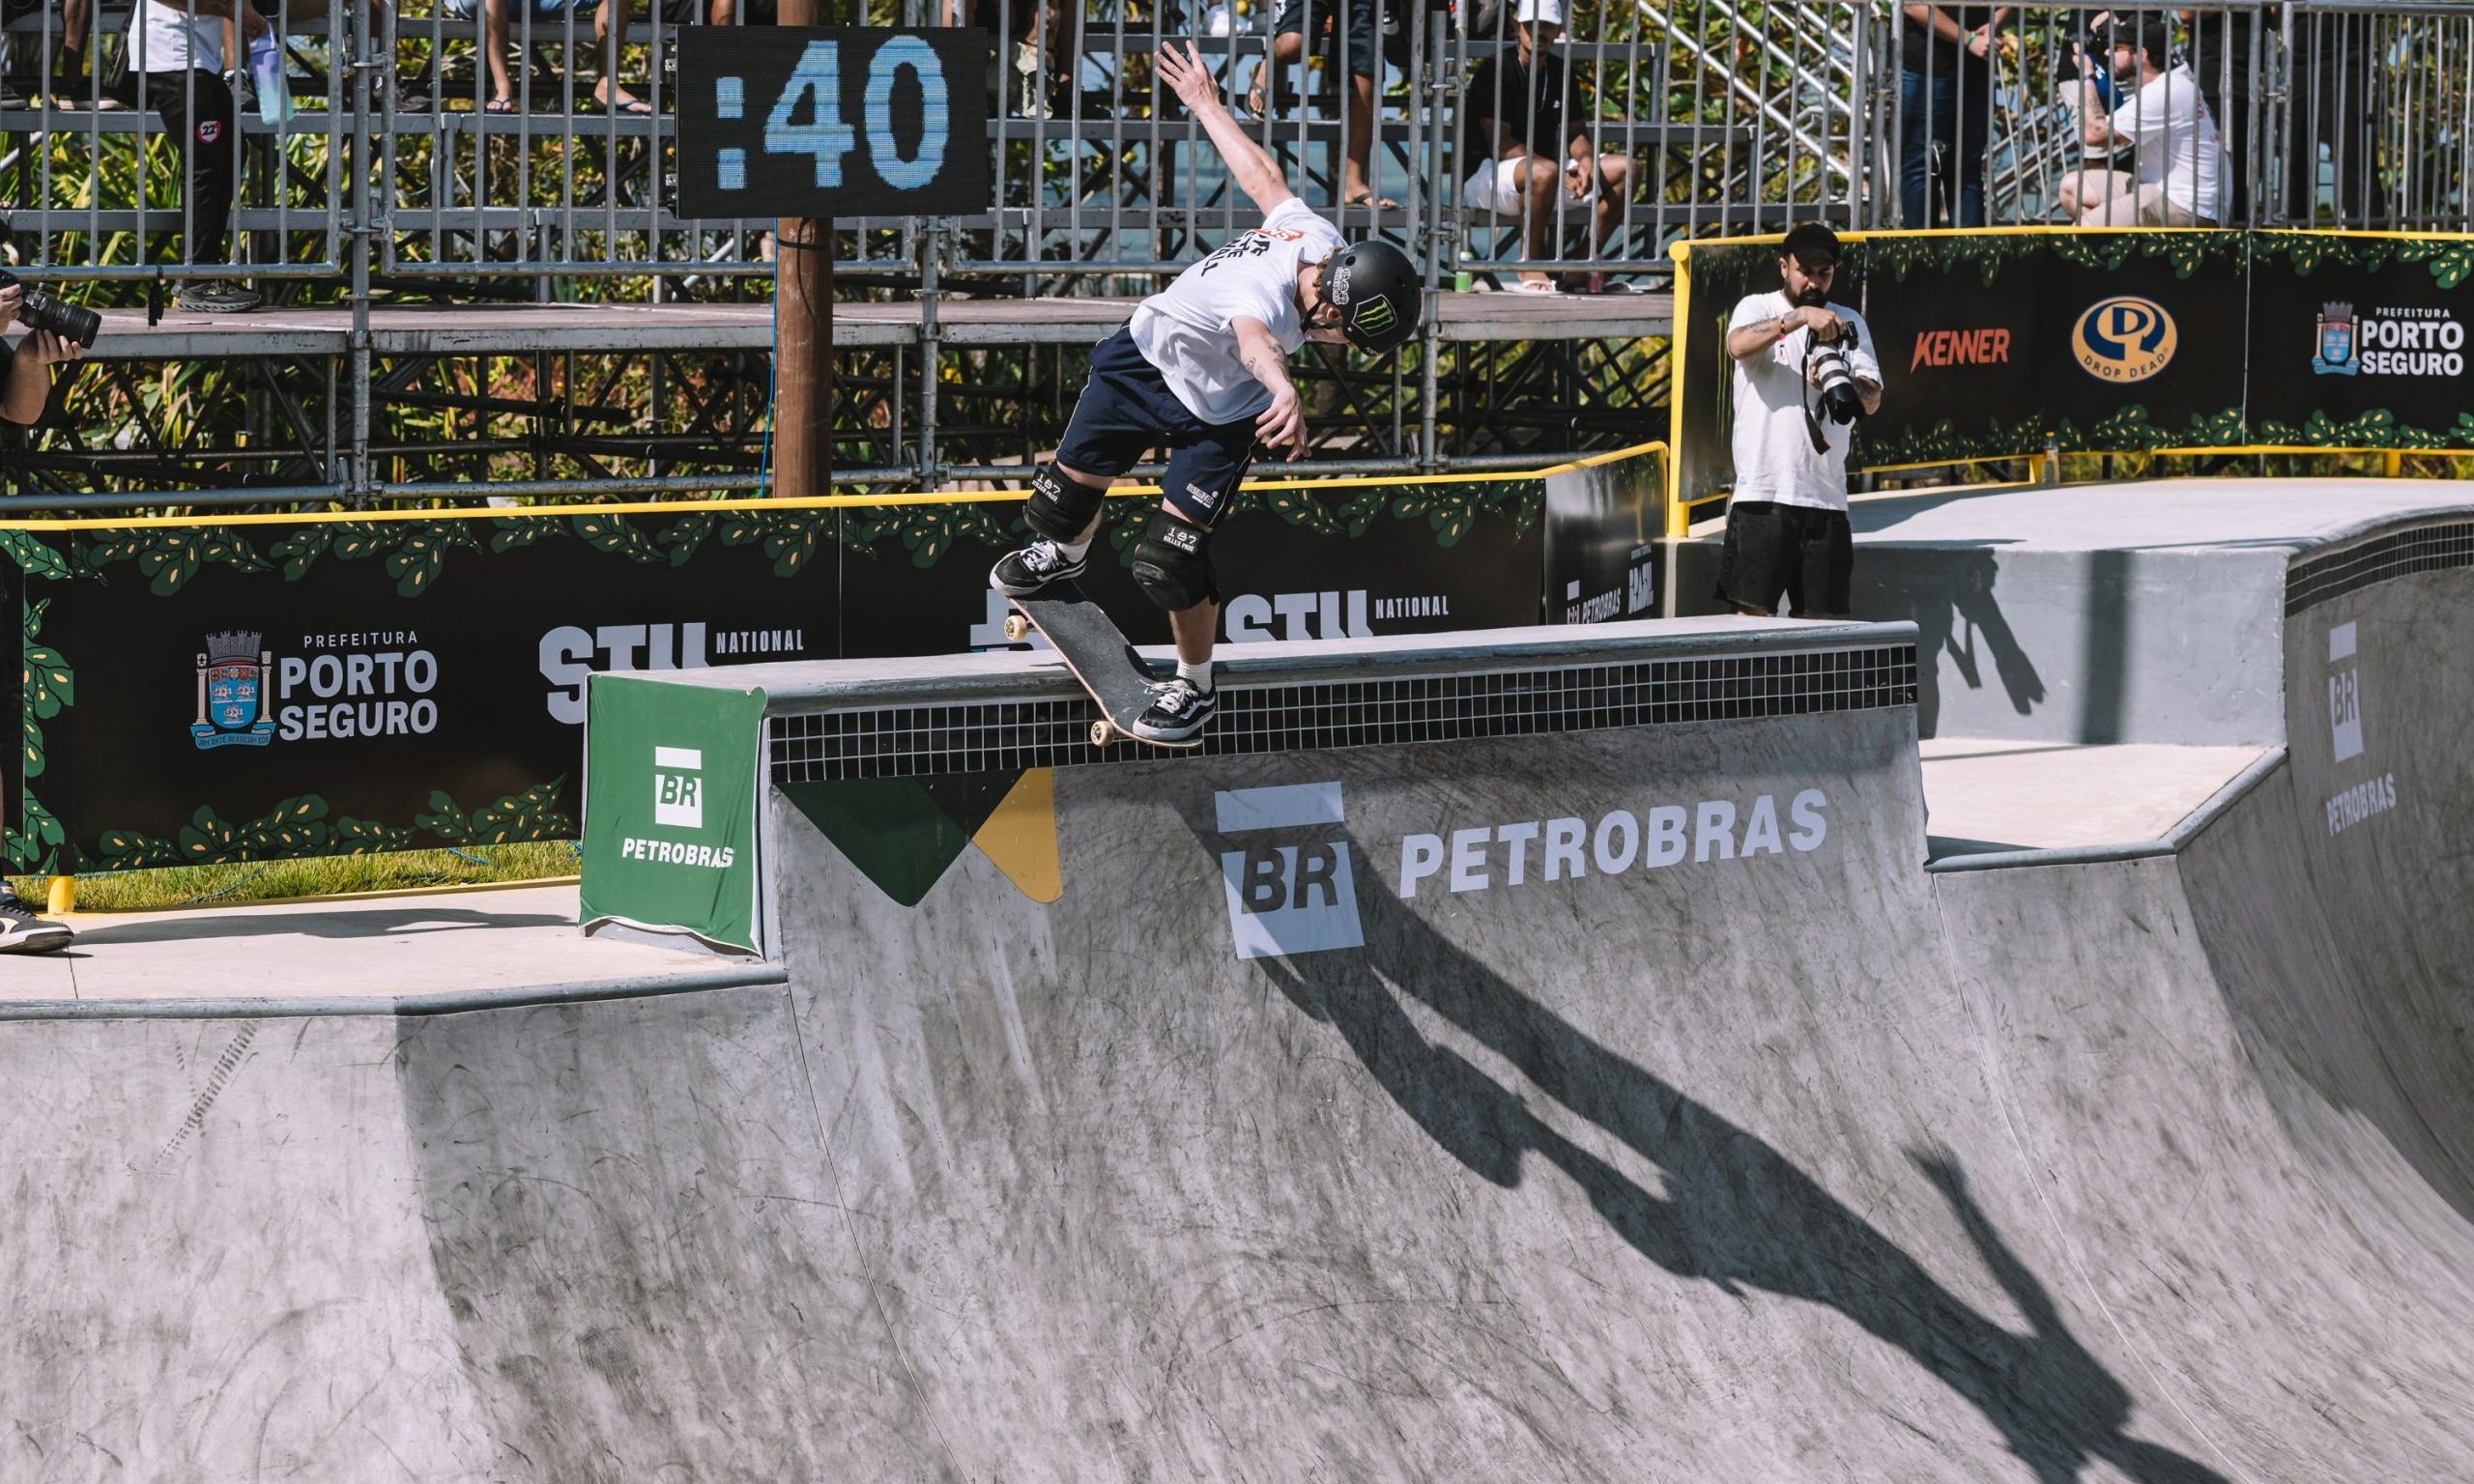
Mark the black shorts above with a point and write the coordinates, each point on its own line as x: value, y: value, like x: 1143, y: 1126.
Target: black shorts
x: 1126, y: 409
x: 1804, y: 554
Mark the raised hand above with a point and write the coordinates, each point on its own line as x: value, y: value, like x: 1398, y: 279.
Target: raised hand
x: 1184, y: 72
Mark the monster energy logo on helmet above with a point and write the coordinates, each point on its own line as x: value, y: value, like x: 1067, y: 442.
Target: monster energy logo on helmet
x: 1375, y: 286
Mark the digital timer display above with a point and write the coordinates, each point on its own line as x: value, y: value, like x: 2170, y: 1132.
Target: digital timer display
x: 832, y: 121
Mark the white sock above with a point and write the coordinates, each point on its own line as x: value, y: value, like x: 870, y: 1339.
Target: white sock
x: 1073, y: 552
x: 1196, y: 675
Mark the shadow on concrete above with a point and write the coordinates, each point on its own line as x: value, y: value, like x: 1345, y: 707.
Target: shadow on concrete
x: 393, y: 923
x: 1958, y: 624
x: 1736, y: 1213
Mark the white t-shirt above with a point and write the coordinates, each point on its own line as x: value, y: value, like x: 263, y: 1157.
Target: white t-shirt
x: 1184, y: 330
x: 2175, y: 143
x: 1774, y: 457
x: 159, y: 39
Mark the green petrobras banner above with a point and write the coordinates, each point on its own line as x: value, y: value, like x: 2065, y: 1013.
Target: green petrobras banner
x: 672, y: 780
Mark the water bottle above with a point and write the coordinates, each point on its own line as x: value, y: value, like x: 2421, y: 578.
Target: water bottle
x: 265, y: 70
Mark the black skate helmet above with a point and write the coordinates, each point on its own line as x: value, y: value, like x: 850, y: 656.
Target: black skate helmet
x: 1374, y: 286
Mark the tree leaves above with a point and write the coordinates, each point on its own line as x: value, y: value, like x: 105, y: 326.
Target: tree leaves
x: 169, y: 557
x: 531, y: 814
x: 35, y: 557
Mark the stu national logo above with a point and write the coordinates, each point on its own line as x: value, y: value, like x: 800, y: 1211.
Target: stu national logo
x: 232, y: 693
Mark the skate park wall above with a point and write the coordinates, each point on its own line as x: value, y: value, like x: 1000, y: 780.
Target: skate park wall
x: 1297, y: 1111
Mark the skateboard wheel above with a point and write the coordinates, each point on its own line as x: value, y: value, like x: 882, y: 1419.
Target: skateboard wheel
x: 1101, y: 733
x: 1017, y: 626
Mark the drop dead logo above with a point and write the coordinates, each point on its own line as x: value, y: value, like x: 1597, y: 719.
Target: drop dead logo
x: 339, y: 687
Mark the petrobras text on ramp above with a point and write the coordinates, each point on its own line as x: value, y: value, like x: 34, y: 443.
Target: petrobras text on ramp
x: 1481, y: 857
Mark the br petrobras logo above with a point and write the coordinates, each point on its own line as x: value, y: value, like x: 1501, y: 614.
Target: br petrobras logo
x: 1288, y: 892
x: 2123, y: 339
x: 2338, y: 354
x: 232, y: 693
x: 679, y: 787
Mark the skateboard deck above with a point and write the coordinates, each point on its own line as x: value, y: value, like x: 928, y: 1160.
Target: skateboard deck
x: 1097, y: 655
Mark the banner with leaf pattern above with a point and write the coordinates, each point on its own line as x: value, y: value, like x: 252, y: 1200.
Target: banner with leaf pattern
x: 206, y: 691
x: 1993, y: 345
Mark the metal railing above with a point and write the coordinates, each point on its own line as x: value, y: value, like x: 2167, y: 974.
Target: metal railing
x: 1681, y: 118
x: 2327, y: 113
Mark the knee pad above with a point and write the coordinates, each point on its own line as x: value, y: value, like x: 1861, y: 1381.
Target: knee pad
x: 1173, y: 564
x: 1060, y: 509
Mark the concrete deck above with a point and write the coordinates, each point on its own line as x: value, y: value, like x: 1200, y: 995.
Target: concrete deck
x: 1985, y: 794
x: 413, y: 952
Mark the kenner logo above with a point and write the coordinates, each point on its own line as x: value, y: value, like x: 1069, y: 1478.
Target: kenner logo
x: 1287, y: 898
x: 679, y: 787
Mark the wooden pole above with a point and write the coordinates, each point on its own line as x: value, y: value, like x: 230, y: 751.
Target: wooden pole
x: 803, y: 334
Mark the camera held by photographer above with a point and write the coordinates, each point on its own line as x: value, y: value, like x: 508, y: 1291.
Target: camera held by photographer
x: 55, y: 332
x: 1804, y: 372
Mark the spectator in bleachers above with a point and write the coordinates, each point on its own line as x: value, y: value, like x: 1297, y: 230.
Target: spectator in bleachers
x: 1034, y: 25
x: 2222, y: 44
x: 67, y: 84
x: 550, y: 24
x: 2178, y: 169
x: 176, y: 69
x: 1946, y: 112
x: 1540, y: 166
x: 1354, y: 36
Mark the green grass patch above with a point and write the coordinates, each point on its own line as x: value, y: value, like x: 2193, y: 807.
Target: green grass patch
x: 224, y: 886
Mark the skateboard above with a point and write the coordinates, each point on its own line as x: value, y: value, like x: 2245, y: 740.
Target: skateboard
x: 1097, y: 655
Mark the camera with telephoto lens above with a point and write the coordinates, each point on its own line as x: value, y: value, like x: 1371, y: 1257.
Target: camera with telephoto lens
x: 38, y: 310
x: 1828, y: 368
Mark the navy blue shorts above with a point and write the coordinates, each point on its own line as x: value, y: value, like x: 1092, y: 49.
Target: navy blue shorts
x: 1126, y: 410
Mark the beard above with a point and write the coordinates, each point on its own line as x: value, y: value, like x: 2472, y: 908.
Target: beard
x: 1813, y: 296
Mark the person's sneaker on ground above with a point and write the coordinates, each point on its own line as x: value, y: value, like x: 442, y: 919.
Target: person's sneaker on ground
x: 216, y: 296
x: 23, y: 932
x: 1021, y: 574
x: 1177, y: 711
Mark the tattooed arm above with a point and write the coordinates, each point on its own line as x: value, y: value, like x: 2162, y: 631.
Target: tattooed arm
x: 1283, y: 424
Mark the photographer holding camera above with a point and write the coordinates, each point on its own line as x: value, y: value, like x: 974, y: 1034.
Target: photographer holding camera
x: 1804, y: 371
x: 56, y: 332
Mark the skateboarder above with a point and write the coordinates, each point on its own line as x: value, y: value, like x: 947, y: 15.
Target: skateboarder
x: 1201, y: 371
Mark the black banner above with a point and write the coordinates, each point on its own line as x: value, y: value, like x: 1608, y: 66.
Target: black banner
x: 2361, y: 341
x: 832, y: 121
x: 202, y: 693
x: 2098, y: 341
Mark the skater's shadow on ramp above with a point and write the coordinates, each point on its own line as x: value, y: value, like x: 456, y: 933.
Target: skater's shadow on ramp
x: 1736, y: 1213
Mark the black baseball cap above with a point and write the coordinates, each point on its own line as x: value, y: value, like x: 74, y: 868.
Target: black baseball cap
x: 1811, y: 240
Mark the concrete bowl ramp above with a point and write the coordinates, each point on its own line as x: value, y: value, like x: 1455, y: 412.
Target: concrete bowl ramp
x: 1538, y: 1055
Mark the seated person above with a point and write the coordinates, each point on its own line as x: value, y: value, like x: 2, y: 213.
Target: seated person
x: 550, y: 24
x: 1540, y: 168
x: 2179, y: 172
